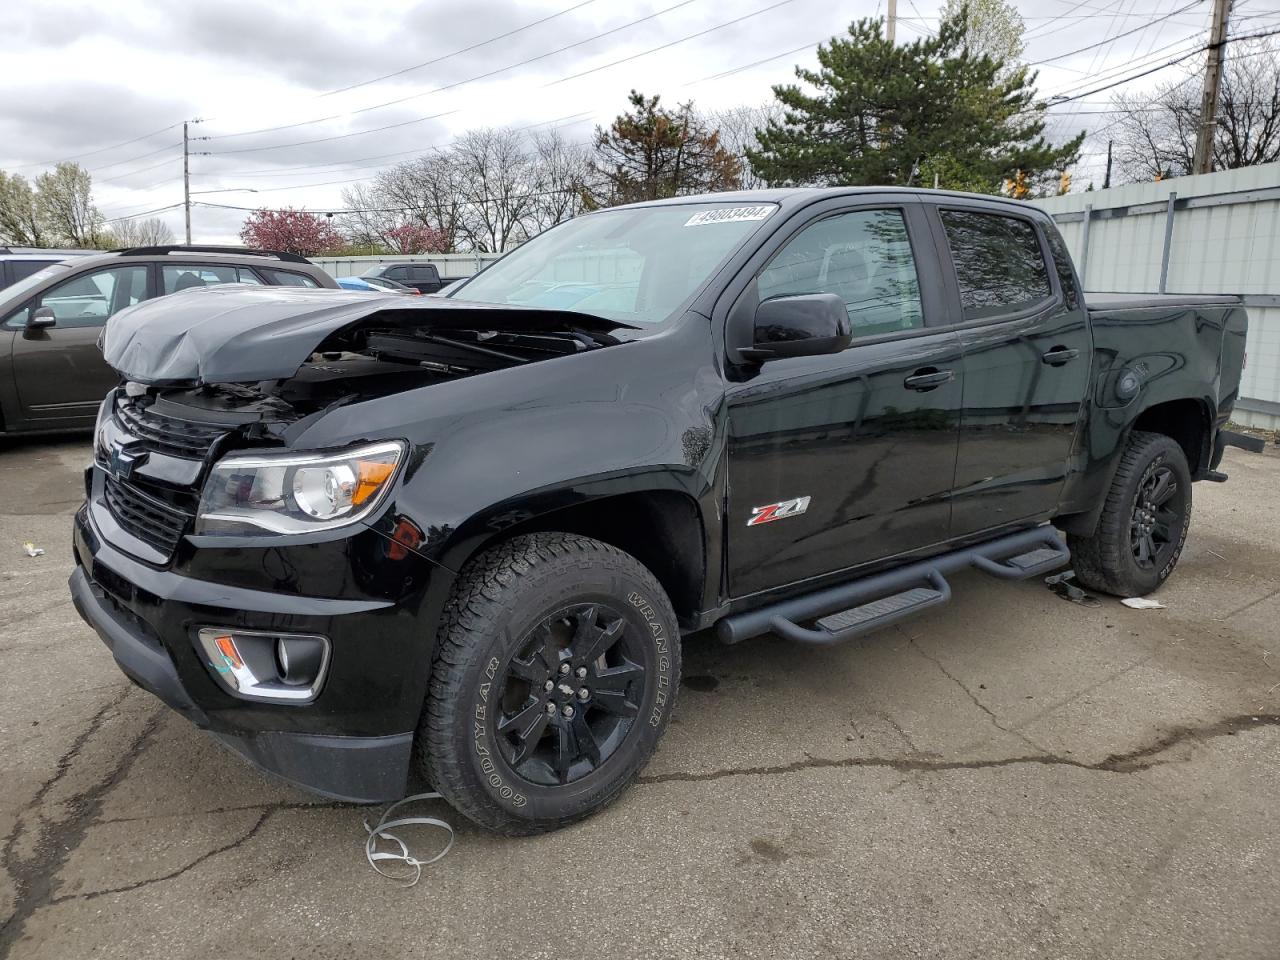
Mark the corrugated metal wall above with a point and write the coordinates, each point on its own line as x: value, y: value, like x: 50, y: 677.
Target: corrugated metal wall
x: 1225, y: 239
x: 450, y: 265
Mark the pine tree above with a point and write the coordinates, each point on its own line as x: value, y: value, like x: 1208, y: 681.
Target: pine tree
x: 652, y: 152
x: 878, y: 114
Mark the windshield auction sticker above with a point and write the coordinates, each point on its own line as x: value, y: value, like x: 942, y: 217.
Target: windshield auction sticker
x: 729, y: 215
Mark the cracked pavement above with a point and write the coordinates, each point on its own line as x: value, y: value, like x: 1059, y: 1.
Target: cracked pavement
x: 1009, y: 776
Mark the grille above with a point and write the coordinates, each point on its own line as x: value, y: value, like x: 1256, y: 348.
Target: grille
x: 178, y: 438
x: 150, y: 520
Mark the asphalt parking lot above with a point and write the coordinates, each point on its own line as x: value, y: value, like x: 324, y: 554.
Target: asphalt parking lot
x: 1010, y: 776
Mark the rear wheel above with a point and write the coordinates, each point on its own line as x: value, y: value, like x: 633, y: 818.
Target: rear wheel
x: 1144, y: 522
x: 555, y: 673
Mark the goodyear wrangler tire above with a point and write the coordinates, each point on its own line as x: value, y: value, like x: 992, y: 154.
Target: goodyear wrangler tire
x: 1144, y: 521
x: 556, y: 668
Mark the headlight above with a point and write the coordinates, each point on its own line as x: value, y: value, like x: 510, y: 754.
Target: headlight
x: 297, y: 493
x: 101, y: 454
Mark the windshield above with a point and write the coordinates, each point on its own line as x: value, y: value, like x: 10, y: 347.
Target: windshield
x: 632, y: 265
x: 17, y: 291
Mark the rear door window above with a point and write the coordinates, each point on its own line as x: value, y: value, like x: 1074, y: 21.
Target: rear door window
x: 998, y: 263
x: 423, y: 275
x: 20, y: 269
x: 185, y: 276
x: 1062, y: 264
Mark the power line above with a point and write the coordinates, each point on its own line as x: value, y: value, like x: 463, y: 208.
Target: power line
x: 1170, y: 63
x: 665, y: 46
x: 1042, y: 31
x: 341, y: 136
x: 141, y: 156
x: 457, y: 83
x: 121, y: 176
x: 142, y: 213
x: 447, y: 56
x: 91, y: 153
x: 755, y: 63
x: 1145, y: 26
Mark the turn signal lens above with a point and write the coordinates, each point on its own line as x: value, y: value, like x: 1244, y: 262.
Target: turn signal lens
x: 372, y: 474
x: 227, y: 647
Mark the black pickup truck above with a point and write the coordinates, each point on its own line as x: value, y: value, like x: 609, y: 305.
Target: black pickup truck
x: 362, y: 538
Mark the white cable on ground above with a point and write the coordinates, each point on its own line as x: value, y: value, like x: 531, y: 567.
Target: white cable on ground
x: 379, y: 832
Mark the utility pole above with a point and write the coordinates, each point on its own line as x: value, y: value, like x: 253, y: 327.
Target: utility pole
x: 1106, y: 182
x: 1203, y: 161
x: 891, y: 31
x: 186, y: 179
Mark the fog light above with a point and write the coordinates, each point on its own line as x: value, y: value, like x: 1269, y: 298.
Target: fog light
x: 301, y: 659
x: 257, y: 665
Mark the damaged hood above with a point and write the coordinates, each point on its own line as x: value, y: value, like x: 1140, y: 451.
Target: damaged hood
x: 239, y: 334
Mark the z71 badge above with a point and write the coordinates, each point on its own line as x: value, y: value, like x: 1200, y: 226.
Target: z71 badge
x: 778, y: 511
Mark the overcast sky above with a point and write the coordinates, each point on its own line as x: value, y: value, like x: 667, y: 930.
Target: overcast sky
x: 81, y: 77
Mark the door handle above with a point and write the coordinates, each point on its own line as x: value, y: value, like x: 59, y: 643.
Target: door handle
x: 928, y: 378
x: 1059, y: 355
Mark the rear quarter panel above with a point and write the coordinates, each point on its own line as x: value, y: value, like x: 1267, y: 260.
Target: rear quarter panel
x: 1177, y: 351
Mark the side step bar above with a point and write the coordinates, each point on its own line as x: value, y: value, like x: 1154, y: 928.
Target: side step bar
x: 852, y: 609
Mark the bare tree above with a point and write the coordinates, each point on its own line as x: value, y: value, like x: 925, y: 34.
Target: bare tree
x: 737, y: 127
x: 141, y: 233
x: 498, y: 181
x: 64, y: 201
x: 1156, y: 135
x: 19, y: 222
x: 423, y: 192
x: 562, y: 179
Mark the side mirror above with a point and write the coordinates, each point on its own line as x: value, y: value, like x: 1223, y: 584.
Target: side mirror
x: 803, y: 325
x: 42, y: 319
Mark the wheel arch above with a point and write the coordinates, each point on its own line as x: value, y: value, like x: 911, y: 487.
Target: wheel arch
x: 1186, y: 420
x: 662, y: 528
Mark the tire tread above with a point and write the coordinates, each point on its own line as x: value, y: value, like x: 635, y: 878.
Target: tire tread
x: 479, y: 597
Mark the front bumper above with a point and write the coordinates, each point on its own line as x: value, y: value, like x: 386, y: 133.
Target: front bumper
x: 353, y: 742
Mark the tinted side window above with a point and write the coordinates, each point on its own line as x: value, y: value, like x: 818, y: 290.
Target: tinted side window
x: 1062, y: 264
x: 286, y: 279
x: 88, y: 299
x: 399, y: 274
x: 184, y: 276
x: 998, y: 263
x: 425, y: 274
x: 18, y: 269
x: 865, y: 258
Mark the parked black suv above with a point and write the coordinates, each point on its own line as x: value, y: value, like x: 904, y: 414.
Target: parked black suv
x: 352, y: 535
x: 52, y: 376
x: 423, y: 277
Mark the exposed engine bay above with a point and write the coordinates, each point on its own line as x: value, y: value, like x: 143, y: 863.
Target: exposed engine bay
x: 371, y: 362
x: 270, y: 357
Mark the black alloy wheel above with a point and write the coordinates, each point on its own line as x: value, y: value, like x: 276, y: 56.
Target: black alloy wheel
x: 1158, y: 514
x: 1143, y: 525
x: 555, y: 672
x: 570, y: 695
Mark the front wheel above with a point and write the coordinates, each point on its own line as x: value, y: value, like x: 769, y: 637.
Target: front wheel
x: 1144, y: 521
x: 555, y: 673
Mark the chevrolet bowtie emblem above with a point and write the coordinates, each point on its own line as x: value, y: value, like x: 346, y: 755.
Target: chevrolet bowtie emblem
x: 123, y: 460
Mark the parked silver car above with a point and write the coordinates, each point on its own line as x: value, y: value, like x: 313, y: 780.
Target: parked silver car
x: 52, y: 375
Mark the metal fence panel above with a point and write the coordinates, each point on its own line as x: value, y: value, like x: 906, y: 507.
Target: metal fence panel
x: 1225, y: 238
x: 450, y: 265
